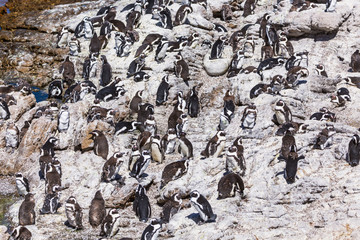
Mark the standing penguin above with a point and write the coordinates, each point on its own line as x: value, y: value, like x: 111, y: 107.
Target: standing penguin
x: 109, y: 226
x: 287, y: 141
x: 236, y: 64
x: 67, y: 69
x: 171, y: 207
x: 63, y: 118
x: 229, y: 104
x: 135, y: 101
x: 135, y: 155
x: 320, y: 70
x: 51, y: 202
x: 111, y: 167
x: 233, y: 162
x: 353, y: 155
x: 165, y: 18
x: 202, y: 206
x: 141, y: 205
x: 182, y: 13
x: 185, y: 146
x: 355, y: 61
x: 282, y: 113
x: 136, y: 65
x: 330, y: 5
x: 12, y: 136
x: 73, y: 213
x: 97, y: 210
x: 48, y: 148
x: 22, y: 184
x: 106, y: 72
x: 55, y: 89
x: 141, y: 164
x: 156, y: 150
x: 163, y: 91
x: 248, y: 119
x: 52, y: 178
x: 215, y: 145
x: 62, y: 39
x: 168, y: 141
x: 181, y: 69
x: 26, y: 211
x: 152, y: 231
x: 101, y: 147
x: 291, y: 164
x: 95, y: 45
x: 193, y: 103
x: 160, y: 53
x: 4, y: 110
x: 218, y: 47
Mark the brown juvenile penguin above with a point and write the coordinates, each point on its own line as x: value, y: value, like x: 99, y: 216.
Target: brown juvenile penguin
x: 101, y: 147
x: 97, y: 210
x: 26, y: 211
x: 67, y: 69
x: 287, y: 141
x: 135, y: 101
x: 355, y: 61
x: 182, y: 69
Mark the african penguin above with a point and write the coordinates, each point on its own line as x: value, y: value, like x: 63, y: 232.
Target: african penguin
x: 55, y: 89
x: 288, y: 140
x: 330, y: 5
x: 324, y: 139
x: 181, y: 69
x: 160, y: 53
x: 110, y: 224
x: 106, y: 72
x: 353, y: 155
x: 135, y: 155
x: 217, y: 48
x: 269, y: 64
x: 48, y: 148
x: 141, y: 76
x: 202, y: 206
x: 193, y: 103
x: 282, y: 113
x: 26, y: 210
x: 181, y: 124
x: 110, y: 92
x: 67, y: 69
x: 141, y: 164
x: 95, y: 45
x: 73, y: 213
x: 234, y: 163
x: 97, y: 210
x: 152, y: 231
x: 62, y: 38
x: 215, y: 145
x: 111, y: 167
x: 141, y: 205
x: 20, y: 233
x: 12, y: 136
x: 168, y: 141
x: 136, y: 65
x: 156, y: 150
x: 291, y: 164
x: 4, y: 110
x: 125, y: 127
x: 150, y: 125
x: 185, y: 146
x: 165, y: 18
x: 174, y: 171
x: 52, y: 178
x: 74, y: 46
x: 101, y: 147
x: 63, y: 118
x: 51, y: 202
x: 171, y: 207
x: 320, y: 70
x: 229, y: 184
x: 236, y: 64
x: 163, y: 91
x: 22, y: 184
x: 181, y: 14
x: 248, y: 119
x: 135, y: 101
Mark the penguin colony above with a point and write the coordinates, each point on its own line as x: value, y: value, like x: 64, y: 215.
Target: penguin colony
x: 149, y: 146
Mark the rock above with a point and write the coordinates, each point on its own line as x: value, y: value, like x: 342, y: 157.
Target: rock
x: 218, y: 67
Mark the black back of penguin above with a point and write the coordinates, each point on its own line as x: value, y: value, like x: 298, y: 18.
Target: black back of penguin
x: 163, y: 91
x: 141, y: 205
x: 194, y: 103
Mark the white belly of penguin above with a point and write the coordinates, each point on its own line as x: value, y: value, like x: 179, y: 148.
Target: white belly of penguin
x: 280, y: 117
x: 155, y: 153
x: 21, y: 188
x: 199, y: 208
x: 170, y: 147
x: 184, y: 149
x: 219, y: 149
x: 3, y: 113
x: 142, y: 170
x: 232, y: 164
x: 250, y: 121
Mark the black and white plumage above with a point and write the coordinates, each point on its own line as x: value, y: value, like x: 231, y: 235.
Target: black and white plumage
x: 150, y: 125
x: 174, y: 171
x: 48, y: 148
x: 215, y: 146
x: 63, y: 118
x: 110, y: 224
x: 202, y: 206
x: 122, y: 45
x: 182, y: 13
x: 181, y: 124
x: 298, y: 59
x: 51, y: 202
x: 165, y: 18
x: 136, y: 101
x: 141, y: 205
x: 330, y: 5
x: 22, y: 184
x: 156, y: 150
x: 110, y: 92
x: 320, y: 70
x: 235, y: 162
x: 324, y: 138
x: 163, y: 91
x: 74, y: 46
x: 217, y: 48
x: 288, y: 140
x: 229, y: 184
x: 125, y: 127
x: 182, y: 69
x: 136, y: 65
x: 141, y: 164
x: 55, y: 89
x: 323, y: 115
x: 152, y: 231
x: 294, y: 74
x: 248, y: 119
x: 52, y: 178
x: 95, y: 45
x: 97, y: 210
x: 62, y: 39
x: 193, y: 103
x: 171, y: 207
x: 84, y: 29
x: 111, y: 167
x: 11, y: 136
x: 160, y: 53
x: 269, y: 64
x: 236, y: 64
x: 4, y: 110
x: 141, y: 76
x: 185, y: 146
x: 353, y: 155
x: 229, y: 104
x: 145, y: 110
x: 135, y: 155
x: 282, y: 113
x: 106, y: 72
x: 20, y: 233
x: 73, y: 213
x: 168, y: 141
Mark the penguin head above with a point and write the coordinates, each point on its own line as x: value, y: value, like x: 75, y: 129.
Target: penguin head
x: 238, y: 141
x: 95, y: 134
x: 195, y: 194
x: 98, y: 195
x: 178, y: 57
x: 30, y: 197
x: 232, y: 149
x: 221, y: 134
x: 156, y: 223
x: 182, y: 134
x: 356, y: 139
x: 140, y: 190
x: 114, y: 213
x: 103, y: 59
x: 320, y: 67
x: 304, y: 72
x: 53, y: 140
x: 176, y: 198
x: 72, y: 200
x: 18, y: 175
x: 118, y: 154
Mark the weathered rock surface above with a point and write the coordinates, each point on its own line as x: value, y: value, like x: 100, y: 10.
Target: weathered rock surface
x: 321, y: 204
